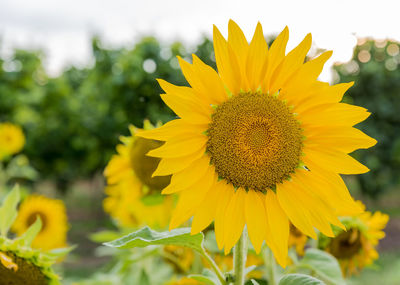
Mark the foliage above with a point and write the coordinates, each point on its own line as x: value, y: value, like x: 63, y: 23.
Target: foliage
x: 374, y: 68
x: 72, y: 122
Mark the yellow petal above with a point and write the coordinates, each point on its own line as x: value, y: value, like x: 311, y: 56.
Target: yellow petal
x: 211, y: 81
x: 7, y: 262
x: 279, y: 226
x: 205, y: 214
x: 302, y: 79
x: 275, y: 56
x: 191, y: 199
x: 171, y: 129
x: 180, y: 146
x: 189, y: 176
x: 256, y: 218
x: 238, y: 42
x: 168, y: 166
x: 343, y: 139
x: 227, y: 64
x: 234, y: 219
x: 339, y: 114
x: 226, y: 192
x: 185, y: 104
x: 256, y: 59
x: 290, y: 64
x: 334, y: 161
x: 288, y: 198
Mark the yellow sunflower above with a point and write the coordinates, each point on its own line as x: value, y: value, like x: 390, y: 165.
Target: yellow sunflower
x: 355, y: 248
x: 260, y: 143
x: 19, y: 262
x: 180, y: 257
x: 12, y: 139
x: 297, y: 239
x: 134, y: 195
x: 54, y: 221
x: 185, y: 281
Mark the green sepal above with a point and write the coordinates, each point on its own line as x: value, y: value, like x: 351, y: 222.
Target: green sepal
x: 8, y: 210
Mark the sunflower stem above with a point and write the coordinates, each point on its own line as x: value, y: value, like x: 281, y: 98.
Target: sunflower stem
x: 239, y: 257
x: 214, y: 266
x: 270, y: 263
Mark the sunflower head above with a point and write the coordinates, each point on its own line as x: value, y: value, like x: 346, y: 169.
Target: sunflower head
x: 262, y: 142
x: 19, y: 263
x: 52, y: 214
x: 134, y: 193
x: 12, y: 139
x: 355, y: 248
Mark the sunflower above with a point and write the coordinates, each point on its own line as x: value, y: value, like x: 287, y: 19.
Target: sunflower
x: 355, y: 248
x: 185, y: 281
x: 54, y: 221
x: 134, y: 195
x: 260, y: 143
x: 180, y: 257
x: 12, y: 139
x: 297, y: 239
x: 19, y: 263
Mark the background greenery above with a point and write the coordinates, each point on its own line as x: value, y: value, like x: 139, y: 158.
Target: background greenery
x: 72, y: 123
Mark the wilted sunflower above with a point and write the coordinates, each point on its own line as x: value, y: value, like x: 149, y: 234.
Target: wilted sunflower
x: 297, y: 239
x: 54, y: 221
x: 134, y: 195
x: 12, y: 139
x: 355, y: 248
x: 262, y: 142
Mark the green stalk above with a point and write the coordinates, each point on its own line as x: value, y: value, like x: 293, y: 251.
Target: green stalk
x: 239, y: 259
x: 270, y: 263
x: 214, y: 266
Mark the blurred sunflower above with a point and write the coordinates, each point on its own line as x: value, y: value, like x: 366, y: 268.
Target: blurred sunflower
x: 12, y: 139
x: 262, y: 142
x: 185, y: 281
x: 355, y: 248
x: 180, y: 257
x: 297, y: 239
x: 19, y: 263
x: 134, y: 195
x: 52, y: 213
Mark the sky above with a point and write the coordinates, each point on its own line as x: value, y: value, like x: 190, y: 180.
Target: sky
x: 63, y: 28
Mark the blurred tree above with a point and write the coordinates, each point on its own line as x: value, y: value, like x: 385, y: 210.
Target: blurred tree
x: 375, y: 70
x: 73, y: 122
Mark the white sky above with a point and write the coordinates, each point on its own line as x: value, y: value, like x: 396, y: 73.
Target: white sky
x: 63, y: 28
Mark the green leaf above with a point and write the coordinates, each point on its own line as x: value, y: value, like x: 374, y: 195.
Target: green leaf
x: 8, y: 211
x: 254, y: 282
x: 208, y: 277
x: 299, y: 279
x: 325, y: 266
x: 31, y: 232
x: 203, y: 279
x: 146, y: 236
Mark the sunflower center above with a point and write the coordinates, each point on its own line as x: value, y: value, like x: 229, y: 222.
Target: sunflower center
x: 144, y: 165
x: 346, y: 244
x: 27, y: 273
x: 32, y: 219
x: 255, y: 142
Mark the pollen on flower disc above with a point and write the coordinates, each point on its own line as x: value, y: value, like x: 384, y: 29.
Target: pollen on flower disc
x: 255, y: 141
